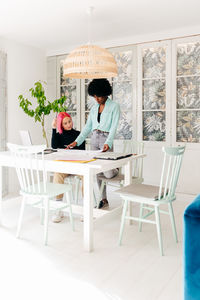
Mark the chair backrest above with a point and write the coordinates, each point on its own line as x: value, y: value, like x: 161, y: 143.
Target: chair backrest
x: 30, y: 168
x: 170, y: 171
x: 135, y: 147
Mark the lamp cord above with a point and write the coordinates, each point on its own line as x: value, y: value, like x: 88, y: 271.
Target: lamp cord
x: 89, y: 11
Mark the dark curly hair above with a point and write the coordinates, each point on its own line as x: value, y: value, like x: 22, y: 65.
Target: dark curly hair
x: 99, y: 88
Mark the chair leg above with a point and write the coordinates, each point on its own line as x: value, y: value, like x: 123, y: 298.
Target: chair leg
x: 157, y: 214
x: 94, y: 199
x: 123, y: 221
x: 46, y: 220
x: 140, y: 216
x: 42, y: 215
x: 70, y: 210
x: 101, y: 190
x: 20, y: 217
x: 171, y: 213
x: 69, y: 181
x: 77, y: 185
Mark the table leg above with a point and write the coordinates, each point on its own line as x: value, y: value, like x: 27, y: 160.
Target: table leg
x: 1, y: 195
x: 127, y: 181
x: 88, y: 211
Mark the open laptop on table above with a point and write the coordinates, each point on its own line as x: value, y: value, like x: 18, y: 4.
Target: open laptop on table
x: 112, y: 155
x: 26, y: 141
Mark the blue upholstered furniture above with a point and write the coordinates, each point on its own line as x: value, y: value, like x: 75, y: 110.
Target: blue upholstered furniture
x: 192, y: 251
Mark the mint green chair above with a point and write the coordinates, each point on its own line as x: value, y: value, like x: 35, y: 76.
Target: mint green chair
x: 34, y: 188
x: 151, y: 197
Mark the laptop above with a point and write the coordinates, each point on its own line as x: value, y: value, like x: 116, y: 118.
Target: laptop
x: 26, y: 141
x: 25, y: 138
x: 112, y: 155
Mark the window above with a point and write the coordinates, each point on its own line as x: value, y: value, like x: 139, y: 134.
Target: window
x: 188, y: 92
x: 158, y: 89
x: 71, y: 89
x: 144, y: 88
x: 123, y: 92
x: 153, y: 61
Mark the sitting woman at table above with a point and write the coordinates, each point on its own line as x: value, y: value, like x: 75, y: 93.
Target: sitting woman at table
x: 102, y: 121
x: 65, y: 135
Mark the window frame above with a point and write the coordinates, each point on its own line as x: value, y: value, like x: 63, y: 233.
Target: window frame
x: 78, y: 93
x: 167, y: 110
x: 175, y: 43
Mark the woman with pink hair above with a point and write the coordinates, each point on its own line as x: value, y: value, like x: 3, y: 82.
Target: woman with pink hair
x: 65, y: 135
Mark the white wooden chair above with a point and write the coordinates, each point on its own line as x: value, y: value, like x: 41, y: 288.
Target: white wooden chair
x: 137, y: 164
x: 34, y: 188
x: 151, y: 197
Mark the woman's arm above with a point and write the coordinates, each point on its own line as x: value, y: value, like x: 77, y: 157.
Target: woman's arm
x: 114, y: 125
x: 86, y: 130
x: 54, y: 139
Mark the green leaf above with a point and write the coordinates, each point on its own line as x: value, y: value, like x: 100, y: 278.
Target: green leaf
x: 42, y: 107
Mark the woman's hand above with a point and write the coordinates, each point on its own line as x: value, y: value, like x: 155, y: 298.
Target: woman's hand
x: 72, y: 145
x: 54, y: 123
x: 105, y: 148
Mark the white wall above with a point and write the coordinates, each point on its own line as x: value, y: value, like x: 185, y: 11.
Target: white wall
x: 136, y: 39
x: 25, y: 65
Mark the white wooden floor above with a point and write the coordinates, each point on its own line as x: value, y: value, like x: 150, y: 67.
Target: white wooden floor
x: 62, y: 270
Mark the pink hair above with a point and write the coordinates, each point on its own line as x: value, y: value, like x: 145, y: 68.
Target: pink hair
x: 60, y: 118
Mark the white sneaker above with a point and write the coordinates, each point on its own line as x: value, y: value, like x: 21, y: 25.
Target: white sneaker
x: 58, y: 216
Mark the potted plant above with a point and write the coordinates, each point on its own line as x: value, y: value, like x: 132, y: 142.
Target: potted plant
x: 43, y: 107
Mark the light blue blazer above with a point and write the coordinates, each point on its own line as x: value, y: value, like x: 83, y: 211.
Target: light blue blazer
x: 108, y: 122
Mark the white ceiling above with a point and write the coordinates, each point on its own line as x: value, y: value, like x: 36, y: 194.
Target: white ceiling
x: 59, y: 24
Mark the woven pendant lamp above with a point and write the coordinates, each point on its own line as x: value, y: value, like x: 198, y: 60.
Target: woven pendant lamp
x: 90, y: 61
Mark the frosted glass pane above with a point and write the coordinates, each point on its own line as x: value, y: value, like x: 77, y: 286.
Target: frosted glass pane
x: 154, y: 96
x: 124, y: 65
x: 70, y: 93
x: 188, y: 59
x: 154, y: 126
x: 125, y: 128
x: 122, y: 94
x: 188, y: 126
x: 65, y: 81
x: 154, y: 62
x: 188, y: 92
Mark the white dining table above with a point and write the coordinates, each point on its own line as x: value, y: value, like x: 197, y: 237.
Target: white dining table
x: 88, y: 171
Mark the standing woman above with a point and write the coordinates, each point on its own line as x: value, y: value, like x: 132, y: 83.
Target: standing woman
x: 102, y: 121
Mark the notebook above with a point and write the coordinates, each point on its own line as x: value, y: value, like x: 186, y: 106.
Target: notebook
x: 112, y: 155
x: 26, y: 141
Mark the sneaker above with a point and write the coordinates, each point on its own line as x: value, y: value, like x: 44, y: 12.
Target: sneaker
x: 58, y: 216
x: 103, y: 204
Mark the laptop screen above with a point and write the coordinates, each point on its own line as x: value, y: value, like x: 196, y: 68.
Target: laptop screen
x: 25, y: 138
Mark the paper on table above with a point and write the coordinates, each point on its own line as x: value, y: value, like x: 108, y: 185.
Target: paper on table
x: 76, y: 161
x: 73, y: 151
x: 75, y: 155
